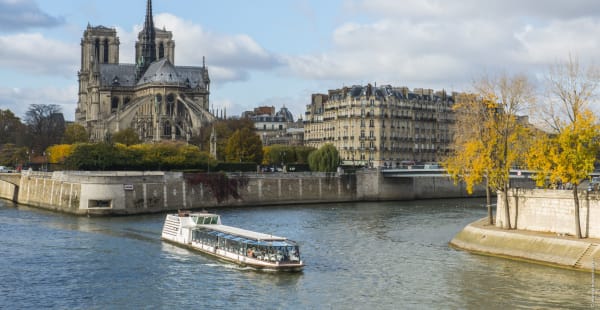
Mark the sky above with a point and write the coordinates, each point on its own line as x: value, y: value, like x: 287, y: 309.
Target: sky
x: 279, y: 52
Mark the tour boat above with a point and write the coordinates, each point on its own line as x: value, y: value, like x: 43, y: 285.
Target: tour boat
x: 204, y: 232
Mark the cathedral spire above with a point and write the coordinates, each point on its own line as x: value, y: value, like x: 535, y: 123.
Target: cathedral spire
x: 148, y: 39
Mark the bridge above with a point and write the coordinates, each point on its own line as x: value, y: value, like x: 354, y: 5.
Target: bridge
x: 439, y: 172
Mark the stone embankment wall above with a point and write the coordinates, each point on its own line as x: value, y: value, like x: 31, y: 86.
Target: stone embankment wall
x: 550, y: 211
x: 543, y: 229
x: 114, y: 193
x: 548, y: 249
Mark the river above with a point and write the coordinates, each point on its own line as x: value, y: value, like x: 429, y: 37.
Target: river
x: 387, y: 255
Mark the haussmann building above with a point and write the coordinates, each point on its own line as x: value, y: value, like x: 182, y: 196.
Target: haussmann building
x: 382, y: 126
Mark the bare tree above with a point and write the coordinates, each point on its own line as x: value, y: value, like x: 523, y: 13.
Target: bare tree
x: 569, y: 155
x: 570, y: 89
x: 489, y: 138
x: 45, y: 124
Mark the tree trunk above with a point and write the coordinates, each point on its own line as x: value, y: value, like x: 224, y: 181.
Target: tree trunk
x: 488, y: 197
x: 506, y: 207
x: 577, y: 220
x: 516, y: 207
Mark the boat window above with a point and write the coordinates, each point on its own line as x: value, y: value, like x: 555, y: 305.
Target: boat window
x: 206, y: 220
x: 214, y: 220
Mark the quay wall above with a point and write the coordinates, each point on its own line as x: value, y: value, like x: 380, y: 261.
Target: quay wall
x: 543, y: 229
x: 120, y: 193
x: 374, y: 186
x: 551, y: 211
x: 547, y: 249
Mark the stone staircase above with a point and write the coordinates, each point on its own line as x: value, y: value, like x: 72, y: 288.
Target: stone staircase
x: 586, y: 255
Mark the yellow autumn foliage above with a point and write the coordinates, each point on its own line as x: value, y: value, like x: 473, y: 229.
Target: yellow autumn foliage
x: 58, y: 153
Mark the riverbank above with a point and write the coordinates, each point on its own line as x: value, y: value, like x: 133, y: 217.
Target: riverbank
x: 552, y: 249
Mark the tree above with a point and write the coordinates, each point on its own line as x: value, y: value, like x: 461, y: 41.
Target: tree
x: 10, y: 155
x: 325, y: 159
x: 489, y: 138
x: 244, y: 146
x: 223, y: 129
x: 75, y: 133
x: 58, y: 153
x: 127, y: 136
x: 11, y: 128
x: 45, y: 124
x: 570, y: 154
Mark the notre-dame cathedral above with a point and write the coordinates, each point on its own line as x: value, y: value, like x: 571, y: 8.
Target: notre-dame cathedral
x: 157, y: 99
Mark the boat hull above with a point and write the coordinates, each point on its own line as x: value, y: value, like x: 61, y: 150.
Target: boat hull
x: 237, y: 259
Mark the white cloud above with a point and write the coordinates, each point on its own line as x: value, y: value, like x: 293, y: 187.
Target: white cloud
x: 33, y: 53
x: 434, y: 43
x: 19, y: 99
x: 230, y: 57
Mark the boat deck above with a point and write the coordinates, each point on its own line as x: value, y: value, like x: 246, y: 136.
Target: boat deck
x: 242, y: 232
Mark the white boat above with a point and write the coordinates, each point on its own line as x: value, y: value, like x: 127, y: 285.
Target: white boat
x: 204, y: 232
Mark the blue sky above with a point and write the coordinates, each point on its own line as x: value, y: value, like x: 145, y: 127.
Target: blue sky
x: 274, y: 52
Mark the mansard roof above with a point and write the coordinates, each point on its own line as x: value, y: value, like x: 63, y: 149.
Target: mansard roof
x: 387, y: 91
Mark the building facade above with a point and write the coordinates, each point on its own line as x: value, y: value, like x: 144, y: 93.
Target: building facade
x: 381, y: 126
x: 276, y: 127
x: 157, y: 99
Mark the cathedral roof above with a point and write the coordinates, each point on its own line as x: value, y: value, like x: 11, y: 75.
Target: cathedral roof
x: 163, y: 71
x: 117, y: 75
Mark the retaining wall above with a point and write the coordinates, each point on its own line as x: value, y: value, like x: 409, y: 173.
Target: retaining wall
x: 550, y: 211
x: 113, y: 193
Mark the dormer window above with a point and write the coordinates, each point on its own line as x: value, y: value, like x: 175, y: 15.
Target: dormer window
x: 115, y: 80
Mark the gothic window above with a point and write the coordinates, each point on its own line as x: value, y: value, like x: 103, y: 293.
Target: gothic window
x: 171, y: 98
x: 97, y: 50
x: 170, y: 108
x: 167, y: 129
x: 114, y: 103
x: 105, y: 51
x: 126, y: 100
x: 161, y: 51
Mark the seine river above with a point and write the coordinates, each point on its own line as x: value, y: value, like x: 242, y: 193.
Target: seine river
x: 358, y: 256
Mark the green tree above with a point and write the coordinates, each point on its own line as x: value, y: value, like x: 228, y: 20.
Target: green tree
x: 11, y: 128
x: 223, y: 129
x: 244, y: 146
x: 127, y: 137
x: 489, y: 139
x: 11, y: 154
x: 302, y: 153
x: 325, y: 159
x: 570, y: 154
x: 75, y: 133
x: 91, y: 156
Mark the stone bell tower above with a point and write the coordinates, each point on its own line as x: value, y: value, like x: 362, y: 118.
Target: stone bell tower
x: 99, y: 45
